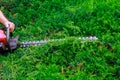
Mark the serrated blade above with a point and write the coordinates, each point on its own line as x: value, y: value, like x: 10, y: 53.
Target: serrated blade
x: 30, y: 43
x: 36, y: 43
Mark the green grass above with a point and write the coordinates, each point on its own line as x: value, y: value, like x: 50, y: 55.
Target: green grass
x: 70, y: 59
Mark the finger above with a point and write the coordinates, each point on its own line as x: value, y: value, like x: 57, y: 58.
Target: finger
x: 12, y: 28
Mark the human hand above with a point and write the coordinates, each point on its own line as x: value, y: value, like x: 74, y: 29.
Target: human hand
x: 10, y: 24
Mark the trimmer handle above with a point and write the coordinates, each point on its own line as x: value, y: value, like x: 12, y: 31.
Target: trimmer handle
x: 8, y: 42
x: 8, y: 34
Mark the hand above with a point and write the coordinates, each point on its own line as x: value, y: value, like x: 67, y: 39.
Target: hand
x: 10, y: 24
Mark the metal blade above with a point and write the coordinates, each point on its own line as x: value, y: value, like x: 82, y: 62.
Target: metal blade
x: 36, y: 43
x: 30, y: 43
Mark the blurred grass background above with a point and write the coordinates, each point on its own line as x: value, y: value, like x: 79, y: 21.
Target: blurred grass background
x: 70, y: 59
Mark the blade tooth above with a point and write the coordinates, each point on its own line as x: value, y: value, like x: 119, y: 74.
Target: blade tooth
x: 42, y: 42
x: 21, y: 46
x: 30, y: 42
x: 90, y: 38
x: 24, y: 46
x: 95, y: 38
x: 37, y: 42
x: 33, y: 42
x: 25, y: 43
x: 22, y: 42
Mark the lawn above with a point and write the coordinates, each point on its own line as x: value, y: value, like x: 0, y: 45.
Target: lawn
x: 71, y: 59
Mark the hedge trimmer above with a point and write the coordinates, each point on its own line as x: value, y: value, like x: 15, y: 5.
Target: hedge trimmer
x: 9, y: 43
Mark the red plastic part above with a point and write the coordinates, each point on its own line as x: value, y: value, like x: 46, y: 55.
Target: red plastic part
x: 2, y: 37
